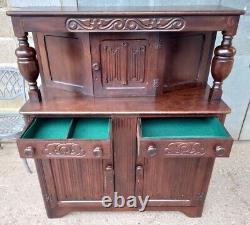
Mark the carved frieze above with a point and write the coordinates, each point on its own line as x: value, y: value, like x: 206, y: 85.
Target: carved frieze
x: 185, y: 149
x: 125, y: 24
x: 64, y: 150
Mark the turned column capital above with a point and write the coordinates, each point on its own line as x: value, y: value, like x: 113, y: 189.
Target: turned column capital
x: 28, y: 66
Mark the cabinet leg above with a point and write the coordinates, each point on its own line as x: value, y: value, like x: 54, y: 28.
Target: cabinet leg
x: 193, y: 211
x: 57, y: 212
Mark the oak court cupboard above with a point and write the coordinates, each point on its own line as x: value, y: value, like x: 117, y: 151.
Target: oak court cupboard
x: 124, y: 104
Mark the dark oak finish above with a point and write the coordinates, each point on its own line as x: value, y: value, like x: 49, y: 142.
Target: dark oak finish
x: 28, y: 66
x: 126, y: 64
x: 187, y: 101
x: 221, y: 65
x: 124, y: 154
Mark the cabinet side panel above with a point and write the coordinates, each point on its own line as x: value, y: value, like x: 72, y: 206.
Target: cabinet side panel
x: 124, y: 133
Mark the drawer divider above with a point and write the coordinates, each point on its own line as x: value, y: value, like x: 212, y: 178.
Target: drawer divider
x: 71, y: 128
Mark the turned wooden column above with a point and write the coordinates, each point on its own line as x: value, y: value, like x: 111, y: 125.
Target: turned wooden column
x: 221, y: 65
x: 28, y: 66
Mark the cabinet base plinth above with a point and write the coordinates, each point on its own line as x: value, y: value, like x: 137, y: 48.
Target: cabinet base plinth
x: 190, y: 211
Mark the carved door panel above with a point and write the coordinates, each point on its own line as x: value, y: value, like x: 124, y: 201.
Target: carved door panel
x: 82, y: 179
x: 174, y: 181
x: 77, y: 182
x: 124, y: 65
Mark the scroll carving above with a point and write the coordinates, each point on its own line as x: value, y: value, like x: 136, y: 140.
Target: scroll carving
x: 125, y: 24
x: 64, y: 150
x: 185, y: 149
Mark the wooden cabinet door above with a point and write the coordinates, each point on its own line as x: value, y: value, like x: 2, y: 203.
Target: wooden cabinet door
x: 75, y: 182
x: 82, y: 180
x: 173, y: 181
x: 124, y: 64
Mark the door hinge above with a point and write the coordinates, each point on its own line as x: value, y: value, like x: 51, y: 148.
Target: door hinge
x: 48, y: 198
x: 200, y: 197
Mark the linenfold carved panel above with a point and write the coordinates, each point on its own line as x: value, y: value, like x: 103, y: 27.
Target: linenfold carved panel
x: 123, y: 62
x: 185, y: 148
x: 113, y: 58
x: 136, y: 63
x: 64, y: 150
x: 125, y: 24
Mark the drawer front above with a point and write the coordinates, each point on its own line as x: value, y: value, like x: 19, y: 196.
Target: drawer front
x: 185, y: 148
x: 66, y: 138
x: 183, y: 137
x: 36, y: 148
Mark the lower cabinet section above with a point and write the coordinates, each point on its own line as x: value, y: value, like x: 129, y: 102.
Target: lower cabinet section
x: 168, y: 161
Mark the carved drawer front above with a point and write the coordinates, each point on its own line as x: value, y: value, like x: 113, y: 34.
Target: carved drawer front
x: 183, y: 137
x: 66, y: 138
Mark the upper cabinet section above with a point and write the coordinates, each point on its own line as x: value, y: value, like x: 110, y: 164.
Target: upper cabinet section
x: 124, y: 64
x: 120, y: 52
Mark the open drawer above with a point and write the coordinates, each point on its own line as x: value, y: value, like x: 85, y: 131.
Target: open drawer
x: 66, y: 138
x: 183, y: 137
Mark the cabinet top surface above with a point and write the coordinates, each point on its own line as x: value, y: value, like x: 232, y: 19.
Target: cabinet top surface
x: 187, y: 101
x: 125, y: 11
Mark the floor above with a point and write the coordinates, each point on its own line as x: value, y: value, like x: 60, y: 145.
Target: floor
x: 228, y: 200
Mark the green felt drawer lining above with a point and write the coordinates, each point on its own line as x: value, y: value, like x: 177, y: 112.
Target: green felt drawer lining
x: 48, y: 128
x: 91, y: 128
x: 205, y: 127
x: 58, y: 128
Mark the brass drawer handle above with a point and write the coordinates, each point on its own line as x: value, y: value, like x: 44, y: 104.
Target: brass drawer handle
x: 29, y: 152
x: 97, y: 152
x: 219, y: 150
x: 152, y: 151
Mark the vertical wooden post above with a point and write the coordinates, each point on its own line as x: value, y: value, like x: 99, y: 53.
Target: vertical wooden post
x: 221, y: 65
x: 28, y: 66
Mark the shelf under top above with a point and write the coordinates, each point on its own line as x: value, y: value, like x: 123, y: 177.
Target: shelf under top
x: 125, y: 10
x: 179, y: 102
